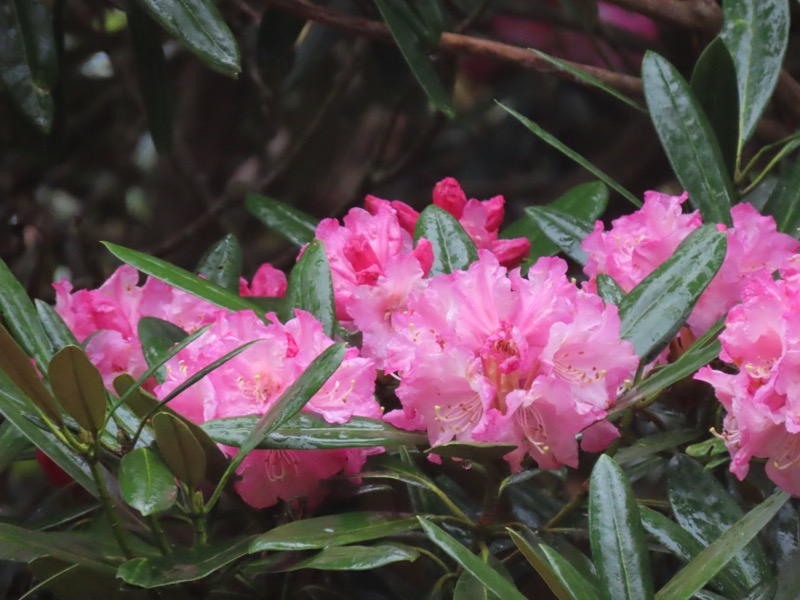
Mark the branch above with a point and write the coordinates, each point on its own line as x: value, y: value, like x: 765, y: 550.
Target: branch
x: 696, y: 15
x: 456, y: 43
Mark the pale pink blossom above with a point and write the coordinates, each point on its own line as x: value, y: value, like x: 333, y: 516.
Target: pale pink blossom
x: 487, y: 356
x: 762, y: 400
x: 480, y: 219
x: 251, y: 383
x: 638, y: 243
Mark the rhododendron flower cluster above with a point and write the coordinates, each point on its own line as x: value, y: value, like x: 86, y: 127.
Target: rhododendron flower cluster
x: 251, y: 383
x: 762, y: 340
x: 638, y: 243
x: 489, y: 356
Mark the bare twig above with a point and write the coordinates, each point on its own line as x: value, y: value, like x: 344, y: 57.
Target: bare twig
x: 456, y: 43
x: 695, y: 15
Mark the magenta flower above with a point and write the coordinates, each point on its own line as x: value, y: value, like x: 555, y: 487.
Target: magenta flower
x: 251, y: 383
x: 268, y: 281
x: 480, y: 219
x: 487, y: 356
x: 638, y: 243
x: 762, y: 340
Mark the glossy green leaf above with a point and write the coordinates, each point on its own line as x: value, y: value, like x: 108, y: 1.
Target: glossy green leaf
x: 474, y: 451
x: 469, y: 588
x: 565, y: 230
x: 12, y: 443
x: 146, y: 483
x: 28, y: 58
x: 705, y: 349
x: 296, y: 226
x: 356, y: 558
x: 142, y: 404
x: 431, y: 17
x: 688, y: 140
x: 655, y: 310
x: 581, y: 75
x: 705, y: 509
x: 756, y: 32
x: 789, y: 578
x: 199, y: 26
x: 559, y: 575
x: 79, y: 387
x: 152, y: 75
x: 222, y: 263
x: 183, y: 565
x: 68, y: 581
x: 784, y: 201
x: 618, y: 544
x: 20, y: 544
x: 182, y: 279
x: 17, y: 408
x: 157, y: 337
x: 714, y: 85
x: 550, y: 139
x: 609, y: 290
x: 491, y: 579
x: 726, y: 548
x: 311, y: 286
x: 181, y: 451
x: 416, y: 56
x: 683, y: 546
x: 655, y: 443
x: 587, y: 201
x: 453, y: 249
x: 309, y: 431
x: 293, y: 399
x: 334, y: 530
x: 54, y: 326
x: 22, y: 319
x: 18, y: 367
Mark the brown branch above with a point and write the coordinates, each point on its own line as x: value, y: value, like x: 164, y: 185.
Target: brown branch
x: 695, y: 15
x: 455, y: 43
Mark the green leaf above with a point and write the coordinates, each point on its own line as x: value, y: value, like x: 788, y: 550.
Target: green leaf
x: 199, y: 26
x: 550, y: 139
x: 655, y: 443
x: 309, y: 431
x: 24, y: 545
x: 705, y: 509
x: 356, y: 558
x: 491, y: 579
x: 310, y: 286
x: 12, y: 443
x: 157, y: 337
x: 724, y: 549
x: 295, y: 225
x: 17, y: 408
x: 587, y: 201
x: 416, y: 56
x: 469, y: 588
x: 430, y: 16
x: 293, y: 399
x: 181, y: 451
x: 22, y: 319
x: 54, y: 327
x: 453, y: 249
x: 683, y: 546
x: 146, y: 483
x: 18, y: 367
x: 582, y: 75
x: 688, y: 139
x: 333, y: 530
x: 28, y: 58
x: 222, y: 264
x: 560, y: 576
x: 79, y: 387
x: 183, y: 565
x: 756, y: 32
x: 152, y: 75
x: 182, y: 279
x: 474, y: 451
x: 619, y: 550
x: 784, y: 201
x: 566, y: 231
x: 714, y: 85
x: 655, y: 310
x: 609, y: 290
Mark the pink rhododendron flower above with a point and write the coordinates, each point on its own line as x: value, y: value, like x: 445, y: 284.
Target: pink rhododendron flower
x: 762, y: 339
x: 480, y: 219
x: 268, y: 281
x: 251, y: 383
x: 489, y: 356
x: 638, y: 243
